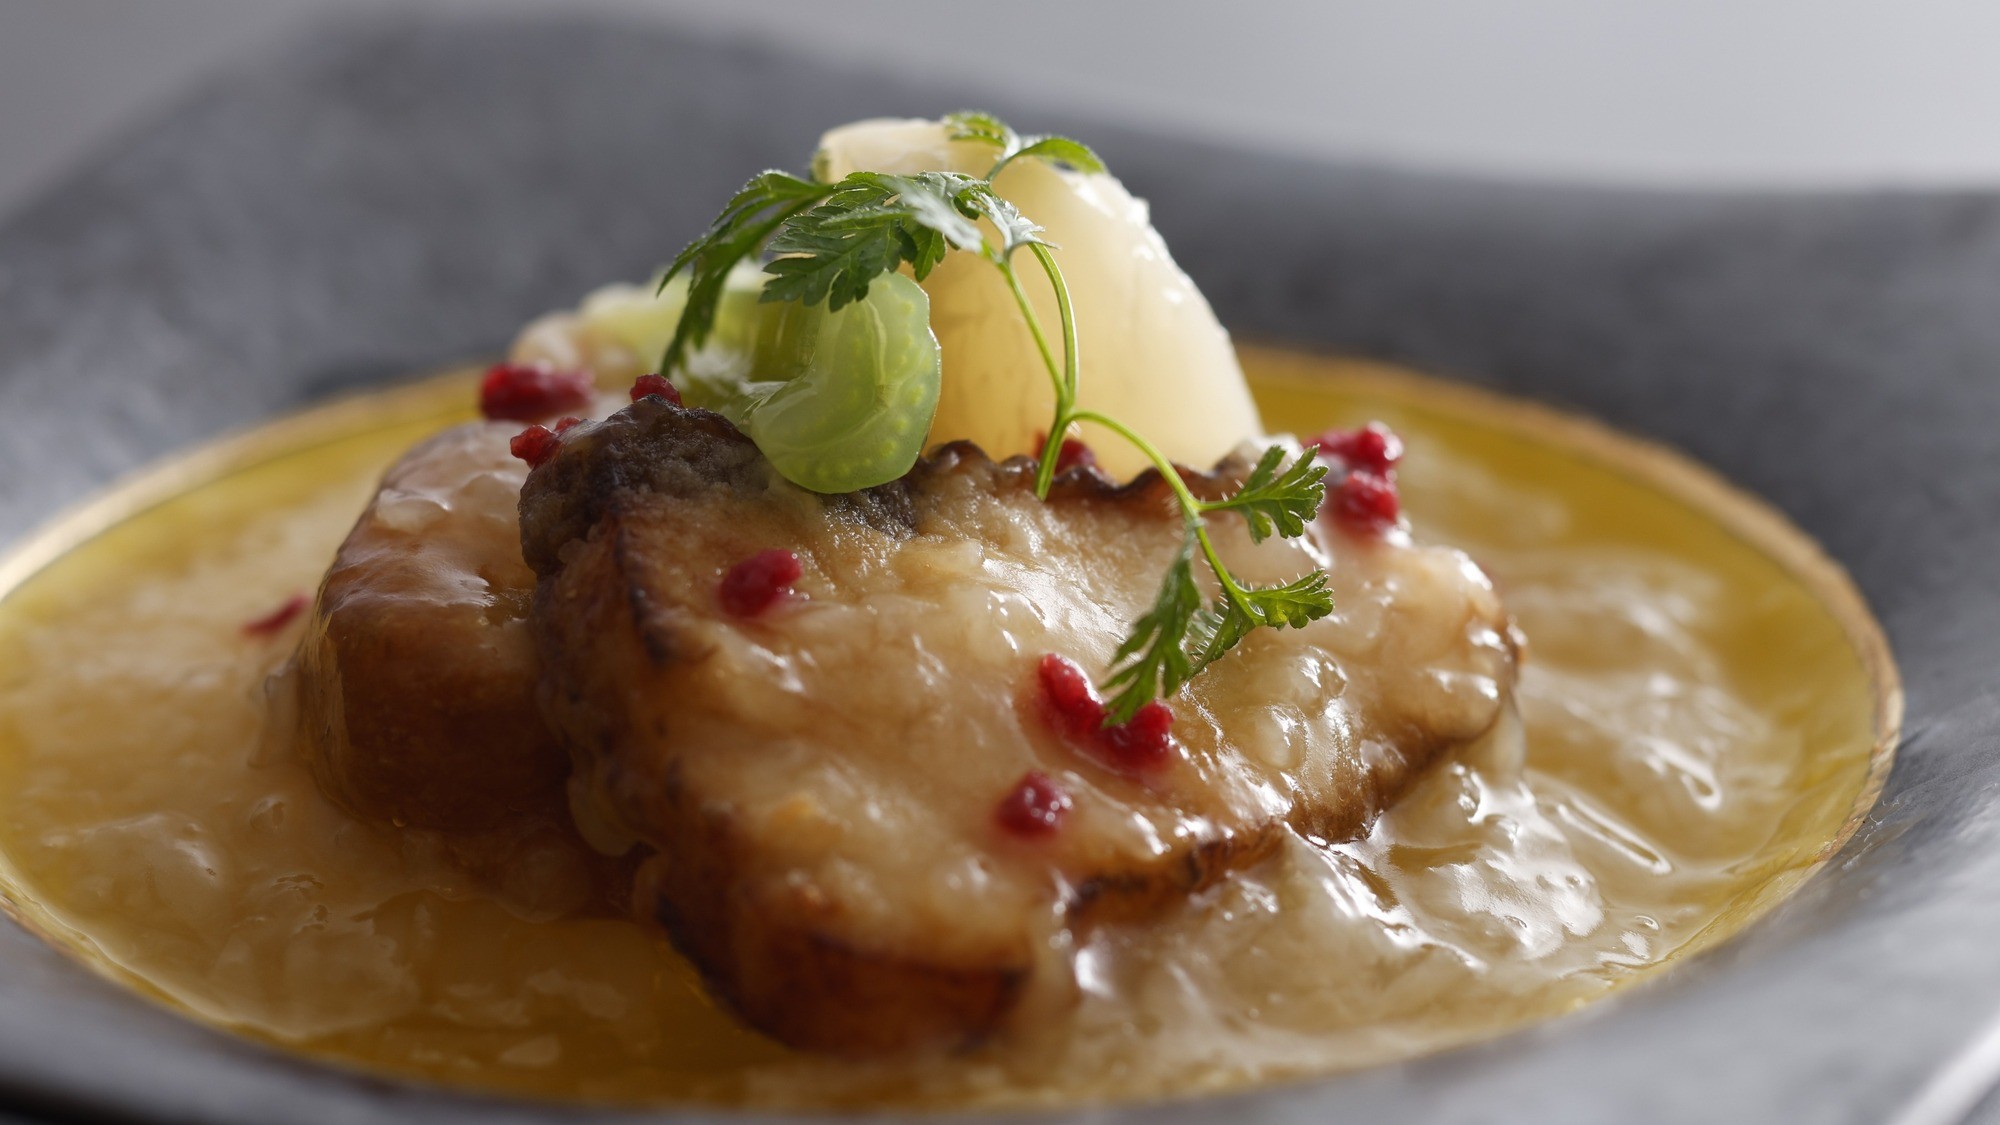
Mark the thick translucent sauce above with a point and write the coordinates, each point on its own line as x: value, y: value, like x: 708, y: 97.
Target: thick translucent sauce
x: 1700, y: 716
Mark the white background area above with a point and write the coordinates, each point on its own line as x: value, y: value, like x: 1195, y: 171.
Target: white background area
x: 1697, y: 92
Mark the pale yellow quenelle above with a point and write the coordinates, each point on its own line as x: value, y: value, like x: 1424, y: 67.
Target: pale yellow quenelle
x: 1152, y: 353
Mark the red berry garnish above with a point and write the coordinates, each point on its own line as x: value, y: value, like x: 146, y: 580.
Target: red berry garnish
x: 1035, y: 807
x: 655, y: 385
x: 535, y: 445
x: 1071, y: 700
x: 758, y: 582
x: 1071, y: 454
x: 1074, y: 455
x: 523, y: 392
x: 275, y: 621
x: 1366, y: 501
x: 567, y: 423
x: 1142, y: 744
x: 1373, y: 448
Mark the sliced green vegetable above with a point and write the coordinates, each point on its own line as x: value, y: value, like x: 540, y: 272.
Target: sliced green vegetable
x: 835, y: 400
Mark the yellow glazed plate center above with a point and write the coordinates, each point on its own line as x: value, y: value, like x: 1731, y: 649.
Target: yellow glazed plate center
x: 1706, y: 709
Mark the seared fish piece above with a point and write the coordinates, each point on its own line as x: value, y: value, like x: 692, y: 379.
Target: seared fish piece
x: 415, y: 681
x: 417, y: 672
x: 819, y: 785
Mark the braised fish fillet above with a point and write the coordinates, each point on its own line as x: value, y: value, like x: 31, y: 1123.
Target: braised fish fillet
x: 417, y: 673
x: 415, y: 683
x: 819, y: 786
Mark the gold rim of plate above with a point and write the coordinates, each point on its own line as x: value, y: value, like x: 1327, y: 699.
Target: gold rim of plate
x: 157, y: 482
x: 440, y: 396
x: 1750, y: 519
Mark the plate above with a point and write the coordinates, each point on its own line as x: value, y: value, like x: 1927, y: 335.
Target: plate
x: 391, y: 194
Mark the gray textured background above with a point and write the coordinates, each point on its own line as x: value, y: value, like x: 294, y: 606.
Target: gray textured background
x: 382, y: 197
x: 1657, y: 91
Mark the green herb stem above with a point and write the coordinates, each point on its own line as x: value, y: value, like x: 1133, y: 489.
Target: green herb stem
x: 1035, y: 329
x: 1192, y: 507
x: 1064, y: 309
x: 1152, y: 453
x: 1067, y: 381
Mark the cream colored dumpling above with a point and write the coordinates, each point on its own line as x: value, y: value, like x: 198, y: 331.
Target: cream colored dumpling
x: 1154, y: 356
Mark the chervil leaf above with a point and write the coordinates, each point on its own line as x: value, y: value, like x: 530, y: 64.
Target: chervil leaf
x: 870, y: 224
x: 924, y: 248
x: 1297, y: 603
x: 1218, y: 629
x: 1270, y: 500
x: 833, y: 265
x: 974, y: 125
x: 1178, y: 638
x: 1060, y: 150
x: 1153, y: 660
x: 1016, y: 230
x: 937, y: 200
x: 1215, y: 630
x: 759, y: 208
x: 984, y: 127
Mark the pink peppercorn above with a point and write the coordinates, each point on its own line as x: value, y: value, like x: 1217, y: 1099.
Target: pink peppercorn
x: 1374, y: 447
x: 1074, y: 455
x: 655, y: 385
x: 759, y: 582
x: 1366, y: 501
x: 1071, y: 454
x: 1142, y: 744
x: 535, y: 445
x: 1071, y: 701
x: 1035, y: 807
x: 522, y: 392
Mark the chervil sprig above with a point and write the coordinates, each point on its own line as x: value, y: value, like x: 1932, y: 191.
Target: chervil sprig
x: 973, y: 125
x: 830, y: 241
x: 870, y: 224
x: 749, y: 220
x: 1155, y: 660
x: 1272, y: 500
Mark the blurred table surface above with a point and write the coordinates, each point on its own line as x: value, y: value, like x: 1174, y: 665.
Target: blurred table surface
x: 1728, y: 92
